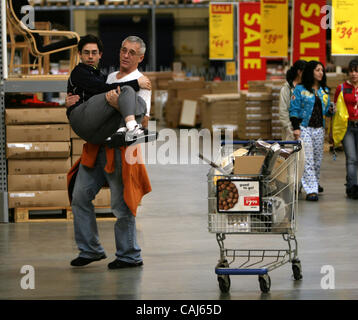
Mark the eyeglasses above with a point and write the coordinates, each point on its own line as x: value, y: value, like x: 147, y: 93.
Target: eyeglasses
x: 88, y: 52
x: 131, y: 52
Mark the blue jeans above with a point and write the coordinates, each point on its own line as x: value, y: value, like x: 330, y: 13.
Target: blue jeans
x: 88, y: 183
x: 350, y: 145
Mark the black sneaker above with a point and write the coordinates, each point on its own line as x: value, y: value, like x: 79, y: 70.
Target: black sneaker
x: 140, y: 135
x: 80, y: 261
x: 118, y: 264
x: 352, y: 193
x: 118, y: 139
x: 320, y: 189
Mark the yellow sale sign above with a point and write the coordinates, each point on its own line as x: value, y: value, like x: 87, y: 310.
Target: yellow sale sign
x: 221, y: 31
x: 274, y: 28
x: 345, y: 27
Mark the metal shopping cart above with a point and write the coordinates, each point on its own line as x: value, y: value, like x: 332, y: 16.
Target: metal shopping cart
x: 259, y: 203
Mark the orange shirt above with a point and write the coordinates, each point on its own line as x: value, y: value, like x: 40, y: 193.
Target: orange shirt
x: 134, y: 173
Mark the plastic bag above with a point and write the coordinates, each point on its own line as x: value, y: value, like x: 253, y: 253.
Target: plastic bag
x: 340, y: 120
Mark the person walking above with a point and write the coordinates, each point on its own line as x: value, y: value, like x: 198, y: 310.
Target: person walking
x: 349, y: 90
x: 310, y: 102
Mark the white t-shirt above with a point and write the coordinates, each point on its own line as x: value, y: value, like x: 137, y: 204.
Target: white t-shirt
x: 145, y: 94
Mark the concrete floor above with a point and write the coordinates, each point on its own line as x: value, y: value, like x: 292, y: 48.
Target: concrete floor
x: 180, y: 254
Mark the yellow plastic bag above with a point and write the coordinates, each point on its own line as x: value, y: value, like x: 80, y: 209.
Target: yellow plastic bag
x: 340, y: 120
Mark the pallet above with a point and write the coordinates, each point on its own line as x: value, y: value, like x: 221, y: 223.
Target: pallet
x: 54, y: 214
x: 116, y: 2
x: 140, y: 2
x: 86, y: 2
x: 166, y: 2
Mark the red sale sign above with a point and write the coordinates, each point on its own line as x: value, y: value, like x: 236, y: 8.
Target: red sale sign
x: 309, y: 37
x: 251, y: 65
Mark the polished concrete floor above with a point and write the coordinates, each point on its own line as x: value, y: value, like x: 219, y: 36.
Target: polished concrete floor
x: 180, y: 254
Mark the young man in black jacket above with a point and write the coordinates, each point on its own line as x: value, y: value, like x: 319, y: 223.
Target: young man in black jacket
x: 94, y: 116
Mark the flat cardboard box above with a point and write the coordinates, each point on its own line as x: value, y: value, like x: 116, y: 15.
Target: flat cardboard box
x: 251, y: 165
x: 74, y: 158
x: 191, y: 94
x: 188, y: 113
x: 73, y: 134
x: 248, y: 165
x: 256, y: 96
x: 38, y: 166
x: 37, y: 182
x: 53, y: 198
x: 187, y: 84
x: 38, y: 133
x: 35, y: 116
x: 32, y: 150
x: 77, y: 146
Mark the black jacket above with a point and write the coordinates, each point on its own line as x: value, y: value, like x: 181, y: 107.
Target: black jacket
x: 87, y: 81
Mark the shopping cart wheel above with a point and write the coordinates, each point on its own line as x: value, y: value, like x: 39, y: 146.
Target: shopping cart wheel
x: 224, y: 283
x: 265, y: 283
x: 297, y: 269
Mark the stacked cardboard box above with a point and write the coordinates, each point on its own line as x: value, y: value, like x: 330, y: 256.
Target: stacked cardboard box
x: 276, y: 127
x: 38, y: 151
x: 255, y: 115
x: 178, y: 91
x: 220, y: 111
x: 217, y: 87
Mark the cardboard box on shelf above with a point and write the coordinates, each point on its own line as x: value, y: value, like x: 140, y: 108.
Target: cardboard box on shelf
x: 256, y: 96
x: 31, y: 150
x: 52, y: 198
x: 38, y: 133
x: 37, y: 182
x: 35, y: 116
x: 218, y: 87
x: 77, y: 146
x: 74, y: 158
x: 38, y: 166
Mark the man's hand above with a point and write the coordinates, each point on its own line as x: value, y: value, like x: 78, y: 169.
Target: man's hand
x: 71, y: 99
x: 145, y: 122
x: 144, y: 83
x: 296, y: 134
x: 112, y: 97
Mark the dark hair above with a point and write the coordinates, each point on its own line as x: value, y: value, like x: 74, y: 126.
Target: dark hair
x: 89, y: 38
x: 292, y: 73
x: 308, y: 78
x: 353, y: 65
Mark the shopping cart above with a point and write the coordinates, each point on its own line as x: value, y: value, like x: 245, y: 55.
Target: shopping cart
x: 261, y: 203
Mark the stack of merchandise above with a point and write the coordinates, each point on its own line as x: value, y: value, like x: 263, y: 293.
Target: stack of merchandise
x: 255, y: 115
x: 220, y: 111
x: 217, y: 87
x: 38, y: 153
x: 178, y: 91
x: 276, y: 126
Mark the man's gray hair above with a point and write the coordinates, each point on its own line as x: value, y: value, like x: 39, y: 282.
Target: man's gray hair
x: 138, y: 40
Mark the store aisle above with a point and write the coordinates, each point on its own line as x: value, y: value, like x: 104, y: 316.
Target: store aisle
x: 180, y: 254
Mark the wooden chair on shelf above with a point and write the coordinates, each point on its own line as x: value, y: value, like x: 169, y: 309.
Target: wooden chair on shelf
x: 35, y: 37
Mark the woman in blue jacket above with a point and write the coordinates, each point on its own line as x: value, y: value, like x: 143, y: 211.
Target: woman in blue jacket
x: 309, y: 104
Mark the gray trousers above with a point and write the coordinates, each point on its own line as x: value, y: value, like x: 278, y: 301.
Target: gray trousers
x: 95, y: 120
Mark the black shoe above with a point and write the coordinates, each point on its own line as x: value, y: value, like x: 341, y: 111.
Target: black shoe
x: 118, y: 139
x: 320, y: 189
x: 352, y: 193
x: 80, y: 261
x: 312, y: 197
x: 140, y: 135
x: 118, y: 264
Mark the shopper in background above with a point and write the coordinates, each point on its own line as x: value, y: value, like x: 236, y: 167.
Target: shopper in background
x: 350, y: 140
x: 293, y: 77
x: 309, y: 104
x: 98, y: 166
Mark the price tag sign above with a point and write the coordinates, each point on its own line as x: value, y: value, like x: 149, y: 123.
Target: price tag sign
x: 345, y: 31
x: 238, y: 196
